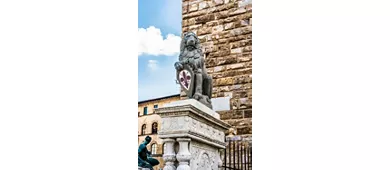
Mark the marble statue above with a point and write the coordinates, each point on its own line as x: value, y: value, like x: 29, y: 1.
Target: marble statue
x: 144, y: 156
x: 191, y: 71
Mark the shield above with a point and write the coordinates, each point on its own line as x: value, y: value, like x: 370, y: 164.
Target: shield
x: 186, y: 80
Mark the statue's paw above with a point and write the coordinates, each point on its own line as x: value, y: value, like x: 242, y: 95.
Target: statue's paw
x: 197, y: 96
x: 178, y: 66
x: 208, y: 100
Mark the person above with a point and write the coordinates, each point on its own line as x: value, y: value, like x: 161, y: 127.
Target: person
x: 144, y: 156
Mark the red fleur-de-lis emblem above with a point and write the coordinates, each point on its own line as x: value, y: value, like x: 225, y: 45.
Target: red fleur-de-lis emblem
x: 185, y: 79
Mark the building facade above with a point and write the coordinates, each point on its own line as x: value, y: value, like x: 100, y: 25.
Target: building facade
x: 224, y: 28
x: 149, y: 124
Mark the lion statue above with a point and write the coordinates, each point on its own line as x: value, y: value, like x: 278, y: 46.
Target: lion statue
x: 191, y: 55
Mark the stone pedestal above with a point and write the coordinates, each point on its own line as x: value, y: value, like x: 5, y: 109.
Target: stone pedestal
x: 197, y: 130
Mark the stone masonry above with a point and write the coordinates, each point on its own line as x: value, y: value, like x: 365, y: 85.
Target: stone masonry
x: 224, y: 28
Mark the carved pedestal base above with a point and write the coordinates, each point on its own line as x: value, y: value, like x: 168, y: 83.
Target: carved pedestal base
x: 199, y: 132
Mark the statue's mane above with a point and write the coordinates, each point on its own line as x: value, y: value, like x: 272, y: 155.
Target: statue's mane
x: 183, y: 44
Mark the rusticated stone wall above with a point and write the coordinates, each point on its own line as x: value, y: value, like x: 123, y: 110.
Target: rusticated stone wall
x: 224, y: 28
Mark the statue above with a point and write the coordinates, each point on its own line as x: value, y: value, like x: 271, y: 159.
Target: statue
x: 191, y: 71
x: 144, y: 158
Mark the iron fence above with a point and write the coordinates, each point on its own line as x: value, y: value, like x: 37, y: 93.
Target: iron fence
x: 238, y: 154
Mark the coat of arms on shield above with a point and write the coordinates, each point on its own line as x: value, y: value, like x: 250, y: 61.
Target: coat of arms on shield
x: 185, y: 77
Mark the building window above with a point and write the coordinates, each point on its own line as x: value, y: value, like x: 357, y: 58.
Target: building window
x: 154, y: 149
x: 164, y: 148
x: 143, y: 132
x: 154, y: 128
x: 155, y: 106
x: 145, y: 110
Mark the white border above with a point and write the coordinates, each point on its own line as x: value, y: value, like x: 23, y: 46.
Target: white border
x: 321, y: 85
x: 68, y: 91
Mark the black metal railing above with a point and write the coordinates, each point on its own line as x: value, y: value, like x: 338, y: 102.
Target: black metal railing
x: 238, y: 154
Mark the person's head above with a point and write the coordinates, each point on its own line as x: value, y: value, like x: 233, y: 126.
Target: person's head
x: 148, y: 139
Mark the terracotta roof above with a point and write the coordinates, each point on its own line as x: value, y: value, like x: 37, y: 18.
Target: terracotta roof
x: 160, y: 98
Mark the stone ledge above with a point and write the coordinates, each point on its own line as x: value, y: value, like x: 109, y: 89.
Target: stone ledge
x: 191, y: 110
x: 195, y: 104
x: 220, y: 145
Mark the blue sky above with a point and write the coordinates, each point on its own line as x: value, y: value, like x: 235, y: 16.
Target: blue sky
x: 159, y: 29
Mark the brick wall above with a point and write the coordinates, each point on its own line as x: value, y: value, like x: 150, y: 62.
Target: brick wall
x: 224, y: 28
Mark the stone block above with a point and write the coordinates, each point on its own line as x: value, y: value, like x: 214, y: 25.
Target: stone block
x: 225, y: 7
x: 230, y: 19
x: 193, y: 7
x: 236, y: 50
x: 194, y: 14
x: 223, y: 47
x: 241, y: 43
x: 204, y: 30
x: 240, y: 94
x: 244, y: 58
x: 245, y: 22
x: 203, y: 5
x: 204, y: 18
x: 229, y: 26
x: 240, y: 31
x: 222, y: 15
x: 218, y: 2
x: 228, y: 94
x: 241, y: 79
x: 248, y: 113
x: 244, y: 16
x: 211, y: 23
x: 235, y: 66
x: 231, y: 114
x: 237, y: 11
x: 224, y: 81
x: 184, y: 9
x: 244, y: 130
x: 247, y: 49
x: 236, y: 37
x: 224, y: 89
x: 226, y: 60
x: 197, y: 26
x: 244, y: 103
x: 211, y: 62
x: 243, y: 71
x: 220, y: 94
x: 217, y: 29
x: 219, y: 68
x: 239, y: 122
x: 220, y: 53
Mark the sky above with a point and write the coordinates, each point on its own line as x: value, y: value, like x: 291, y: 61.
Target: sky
x: 159, y: 29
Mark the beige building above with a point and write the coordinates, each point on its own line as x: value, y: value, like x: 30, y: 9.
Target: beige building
x: 149, y: 124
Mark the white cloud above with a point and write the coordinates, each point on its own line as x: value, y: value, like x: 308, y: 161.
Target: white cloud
x: 159, y: 83
x: 152, y: 64
x: 151, y: 42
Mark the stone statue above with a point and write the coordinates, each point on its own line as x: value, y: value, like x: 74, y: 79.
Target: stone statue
x: 191, y: 71
x: 144, y: 158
